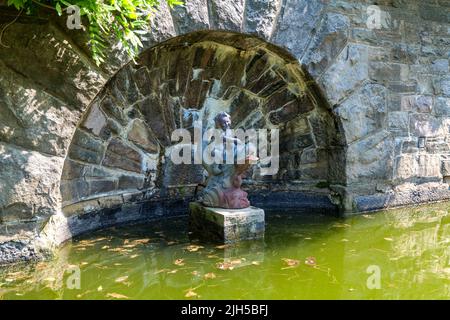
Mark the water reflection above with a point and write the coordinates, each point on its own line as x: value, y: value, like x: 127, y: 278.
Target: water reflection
x: 301, y: 257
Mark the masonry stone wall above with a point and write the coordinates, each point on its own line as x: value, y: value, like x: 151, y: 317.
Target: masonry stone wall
x: 384, y: 92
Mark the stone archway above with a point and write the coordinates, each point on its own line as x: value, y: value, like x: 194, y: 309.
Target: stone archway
x: 118, y: 154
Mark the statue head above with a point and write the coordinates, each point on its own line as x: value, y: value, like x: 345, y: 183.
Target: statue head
x: 223, y: 121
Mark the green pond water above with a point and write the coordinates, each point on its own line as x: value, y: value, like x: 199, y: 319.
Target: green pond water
x: 401, y: 254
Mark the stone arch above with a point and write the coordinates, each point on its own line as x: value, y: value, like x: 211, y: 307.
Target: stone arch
x: 118, y: 155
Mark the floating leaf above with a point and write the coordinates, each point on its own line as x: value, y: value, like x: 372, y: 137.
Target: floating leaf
x: 134, y: 256
x: 116, y: 296
x: 193, y: 248
x: 388, y: 239
x: 100, y: 288
x: 179, y: 262
x: 340, y: 225
x: 223, y: 246
x: 255, y: 263
x: 105, y: 247
x: 121, y: 279
x: 191, y: 294
x: 172, y: 271
x: 291, y: 262
x: 310, y: 261
x: 225, y: 266
x: 209, y: 275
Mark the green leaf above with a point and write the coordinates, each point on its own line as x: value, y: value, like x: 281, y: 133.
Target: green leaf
x: 58, y: 9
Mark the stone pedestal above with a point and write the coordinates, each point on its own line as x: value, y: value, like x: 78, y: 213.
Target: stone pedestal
x: 226, y: 225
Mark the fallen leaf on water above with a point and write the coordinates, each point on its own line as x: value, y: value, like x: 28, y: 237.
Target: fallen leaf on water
x: 236, y: 261
x: 255, y: 263
x: 134, y: 256
x: 225, y: 266
x: 388, y: 239
x: 172, y: 271
x: 105, y: 247
x: 368, y: 216
x: 193, y: 248
x: 344, y: 240
x: 340, y: 225
x: 191, y: 294
x: 117, y: 264
x: 162, y: 270
x: 100, y: 288
x: 116, y: 296
x: 351, y: 289
x: 212, y: 256
x: 291, y: 262
x: 223, y: 246
x: 171, y: 243
x: 121, y: 279
x: 179, y: 262
x: 308, y: 238
x: 310, y: 261
x: 209, y: 275
x: 84, y: 263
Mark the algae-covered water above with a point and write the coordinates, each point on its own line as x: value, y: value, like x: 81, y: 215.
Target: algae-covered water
x: 401, y: 254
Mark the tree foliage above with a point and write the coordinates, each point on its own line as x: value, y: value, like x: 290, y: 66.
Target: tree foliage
x: 126, y: 20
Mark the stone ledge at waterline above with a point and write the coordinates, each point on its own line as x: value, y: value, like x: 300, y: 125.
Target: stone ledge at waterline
x: 226, y: 225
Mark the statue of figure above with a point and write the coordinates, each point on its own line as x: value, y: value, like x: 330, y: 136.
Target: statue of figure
x: 223, y: 185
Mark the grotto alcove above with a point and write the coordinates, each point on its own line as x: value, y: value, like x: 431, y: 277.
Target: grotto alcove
x: 117, y: 168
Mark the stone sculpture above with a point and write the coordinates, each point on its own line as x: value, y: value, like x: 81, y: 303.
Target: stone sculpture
x: 223, y: 185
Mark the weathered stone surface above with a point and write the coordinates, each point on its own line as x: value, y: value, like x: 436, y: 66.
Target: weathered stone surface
x: 260, y: 17
x: 442, y: 107
x: 363, y: 113
x: 161, y: 26
x: 398, y: 123
x: 441, y: 86
x: 29, y: 183
x: 296, y: 23
x: 32, y: 118
x: 227, y: 15
x: 95, y: 120
x: 425, y: 125
x: 42, y: 54
x: 131, y: 182
x: 370, y: 158
x: 154, y: 116
x: 347, y: 73
x: 327, y: 44
x: 86, y: 148
x: 72, y: 170
x: 291, y: 110
x: 242, y: 105
x: 142, y: 137
x: 119, y: 155
x: 192, y: 16
x: 226, y: 225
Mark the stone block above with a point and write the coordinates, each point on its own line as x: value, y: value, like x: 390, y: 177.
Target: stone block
x: 260, y: 17
x: 227, y: 15
x: 192, y: 16
x: 347, y: 73
x: 291, y: 110
x: 327, y: 44
x: 226, y: 225
x: 297, y: 22
x: 141, y: 136
x: 86, y: 147
x: 119, y: 155
x: 95, y: 120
